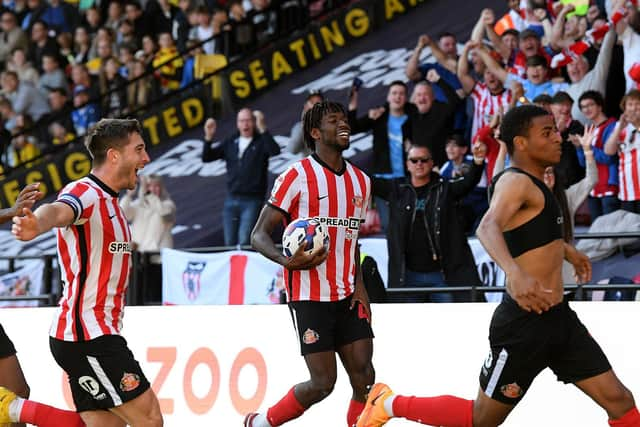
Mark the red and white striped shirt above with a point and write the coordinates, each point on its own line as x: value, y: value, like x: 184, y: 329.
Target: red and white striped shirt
x: 309, y: 189
x: 94, y: 254
x: 486, y: 105
x: 629, y: 164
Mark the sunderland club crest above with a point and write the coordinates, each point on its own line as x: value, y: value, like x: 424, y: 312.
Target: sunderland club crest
x: 191, y: 279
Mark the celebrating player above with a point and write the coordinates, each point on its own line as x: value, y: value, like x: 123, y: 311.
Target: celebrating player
x: 94, y: 252
x: 328, y: 302
x: 534, y: 327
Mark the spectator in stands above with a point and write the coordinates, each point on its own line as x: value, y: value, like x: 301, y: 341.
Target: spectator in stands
x: 112, y: 89
x: 65, y: 41
x: 603, y: 199
x: 104, y: 43
x: 188, y: 71
x: 24, y: 97
x: 61, y: 16
x: 628, y: 30
x: 565, y: 30
x: 237, y: 13
x: 426, y: 243
x: 134, y: 13
x: 85, y: 114
x: 431, y: 120
x: 126, y: 35
x: 204, y: 30
x: 23, y: 68
x: 489, y: 96
x: 152, y: 215
x: 148, y: 51
x: 126, y: 56
x: 35, y: 10
x: 570, y: 129
x: 391, y: 128
x: 52, y: 75
x: 181, y: 25
x: 58, y: 134
x: 167, y: 64
x: 41, y: 43
x: 296, y: 138
x: 80, y: 77
x: 60, y: 111
x: 161, y: 15
x: 471, y: 208
x: 139, y: 91
x: 8, y: 117
x: 115, y: 16
x: 81, y: 45
x: 264, y: 19
x: 12, y: 36
x: 93, y: 20
x: 446, y: 55
x: 24, y: 146
x: 625, y: 141
x: 583, y: 80
x: 537, y: 75
x: 246, y: 154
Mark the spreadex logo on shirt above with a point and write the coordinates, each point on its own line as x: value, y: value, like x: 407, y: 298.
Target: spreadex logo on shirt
x: 351, y: 223
x: 120, y: 247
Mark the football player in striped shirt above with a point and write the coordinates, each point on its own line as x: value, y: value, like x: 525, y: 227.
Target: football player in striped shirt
x: 326, y: 295
x: 94, y: 253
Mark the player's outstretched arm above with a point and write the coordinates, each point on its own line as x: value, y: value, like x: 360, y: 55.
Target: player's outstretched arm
x: 509, y: 195
x: 26, y: 199
x: 31, y: 224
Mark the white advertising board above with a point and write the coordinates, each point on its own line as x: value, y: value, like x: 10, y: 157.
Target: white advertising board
x: 211, y: 364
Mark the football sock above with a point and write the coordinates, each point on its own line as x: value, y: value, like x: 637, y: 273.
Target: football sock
x: 448, y: 411
x: 39, y: 414
x: 286, y: 409
x: 355, y: 409
x: 630, y: 419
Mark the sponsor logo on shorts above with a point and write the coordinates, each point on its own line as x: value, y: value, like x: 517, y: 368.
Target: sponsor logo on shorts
x: 91, y: 386
x: 129, y: 382
x: 512, y: 391
x: 310, y: 336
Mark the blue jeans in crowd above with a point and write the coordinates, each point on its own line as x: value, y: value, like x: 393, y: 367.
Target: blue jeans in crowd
x: 239, y: 215
x: 602, y: 205
x: 434, y: 279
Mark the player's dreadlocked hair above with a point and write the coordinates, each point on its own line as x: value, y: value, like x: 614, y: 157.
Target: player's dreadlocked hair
x: 313, y: 117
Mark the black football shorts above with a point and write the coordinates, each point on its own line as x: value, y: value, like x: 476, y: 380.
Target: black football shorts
x: 102, y: 372
x: 524, y: 343
x: 326, y: 326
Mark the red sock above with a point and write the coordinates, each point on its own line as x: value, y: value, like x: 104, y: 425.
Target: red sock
x: 287, y: 409
x: 446, y: 411
x: 47, y: 416
x: 630, y: 419
x: 355, y: 409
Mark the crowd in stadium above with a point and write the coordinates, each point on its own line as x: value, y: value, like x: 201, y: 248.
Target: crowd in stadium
x: 66, y: 65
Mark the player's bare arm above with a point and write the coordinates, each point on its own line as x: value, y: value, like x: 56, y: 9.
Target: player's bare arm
x: 46, y: 217
x: 262, y: 242
x: 580, y: 262
x: 360, y: 294
x: 26, y: 199
x: 510, y: 196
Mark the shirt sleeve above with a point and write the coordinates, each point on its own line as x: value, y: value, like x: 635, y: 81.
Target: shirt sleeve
x: 286, y: 191
x: 79, y: 197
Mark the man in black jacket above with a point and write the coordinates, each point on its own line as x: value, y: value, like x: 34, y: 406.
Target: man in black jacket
x: 426, y: 243
x: 391, y: 126
x: 246, y: 153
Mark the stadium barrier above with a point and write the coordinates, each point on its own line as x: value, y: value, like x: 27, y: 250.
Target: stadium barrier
x: 211, y: 364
